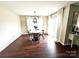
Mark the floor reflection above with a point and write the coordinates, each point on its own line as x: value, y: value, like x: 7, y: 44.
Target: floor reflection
x: 51, y: 45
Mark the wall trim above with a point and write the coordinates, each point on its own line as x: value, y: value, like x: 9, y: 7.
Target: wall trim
x: 9, y: 42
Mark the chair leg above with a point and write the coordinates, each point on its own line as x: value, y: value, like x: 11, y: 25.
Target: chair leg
x: 42, y: 36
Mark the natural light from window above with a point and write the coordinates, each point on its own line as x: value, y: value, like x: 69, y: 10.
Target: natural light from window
x: 30, y: 24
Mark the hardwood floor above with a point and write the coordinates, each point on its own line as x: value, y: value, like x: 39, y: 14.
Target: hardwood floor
x: 44, y: 48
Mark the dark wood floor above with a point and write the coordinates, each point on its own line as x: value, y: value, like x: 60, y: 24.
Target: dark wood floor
x: 44, y: 48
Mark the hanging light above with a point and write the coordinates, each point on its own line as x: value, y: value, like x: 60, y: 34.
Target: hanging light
x: 35, y: 17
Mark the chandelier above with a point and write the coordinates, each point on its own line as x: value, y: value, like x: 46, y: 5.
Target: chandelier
x: 35, y: 17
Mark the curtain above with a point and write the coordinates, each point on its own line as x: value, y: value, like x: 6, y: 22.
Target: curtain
x: 24, y: 28
x: 52, y: 25
x: 60, y: 15
x: 45, y: 24
x: 55, y: 25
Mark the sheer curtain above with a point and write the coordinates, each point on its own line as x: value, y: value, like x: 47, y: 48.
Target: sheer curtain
x: 52, y: 26
x: 55, y: 25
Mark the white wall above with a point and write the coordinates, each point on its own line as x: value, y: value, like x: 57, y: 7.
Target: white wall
x: 9, y: 27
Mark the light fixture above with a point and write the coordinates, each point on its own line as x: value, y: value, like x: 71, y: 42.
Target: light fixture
x: 35, y: 17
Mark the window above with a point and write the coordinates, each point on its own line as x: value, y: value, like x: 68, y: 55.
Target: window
x: 31, y: 25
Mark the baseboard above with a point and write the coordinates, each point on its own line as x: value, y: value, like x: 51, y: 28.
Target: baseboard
x: 24, y: 34
x: 6, y: 44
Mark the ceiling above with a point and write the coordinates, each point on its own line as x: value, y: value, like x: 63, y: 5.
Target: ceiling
x: 43, y: 8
